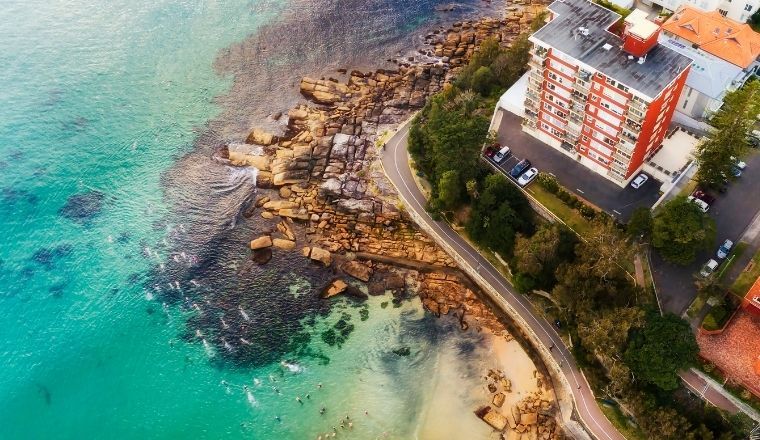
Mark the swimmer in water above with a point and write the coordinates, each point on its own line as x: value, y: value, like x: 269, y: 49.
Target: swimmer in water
x: 350, y: 425
x: 307, y: 396
x: 278, y: 418
x: 319, y: 385
x: 322, y: 410
x: 298, y: 399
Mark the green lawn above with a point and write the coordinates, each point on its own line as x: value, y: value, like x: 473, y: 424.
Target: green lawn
x: 569, y: 215
x: 747, y: 278
x: 738, y: 251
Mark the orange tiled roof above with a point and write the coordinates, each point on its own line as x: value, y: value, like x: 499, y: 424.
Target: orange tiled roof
x: 727, y: 39
x: 754, y: 290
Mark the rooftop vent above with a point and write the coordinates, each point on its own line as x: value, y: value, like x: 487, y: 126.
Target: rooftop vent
x: 583, y: 31
x: 630, y: 57
x: 641, y: 60
x: 607, y: 46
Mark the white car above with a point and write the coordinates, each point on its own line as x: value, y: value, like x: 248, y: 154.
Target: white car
x: 501, y: 154
x: 708, y: 268
x: 527, y: 177
x: 639, y: 180
x: 699, y: 202
x: 738, y: 163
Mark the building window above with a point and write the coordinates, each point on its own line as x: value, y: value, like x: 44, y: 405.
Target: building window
x: 689, y: 94
x: 722, y: 12
x: 748, y: 7
x: 685, y: 103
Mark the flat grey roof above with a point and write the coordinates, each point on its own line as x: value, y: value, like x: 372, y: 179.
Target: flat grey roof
x: 662, y: 64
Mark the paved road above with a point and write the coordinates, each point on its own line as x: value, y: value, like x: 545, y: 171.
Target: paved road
x: 396, y: 165
x: 706, y: 391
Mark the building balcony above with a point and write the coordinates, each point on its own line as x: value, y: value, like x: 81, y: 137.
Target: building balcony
x: 634, y: 117
x: 537, y: 64
x: 634, y: 126
x: 626, y: 144
x: 638, y: 105
x: 539, y: 52
x: 582, y: 87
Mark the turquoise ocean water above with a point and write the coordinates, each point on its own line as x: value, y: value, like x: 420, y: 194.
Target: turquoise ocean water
x: 99, y: 100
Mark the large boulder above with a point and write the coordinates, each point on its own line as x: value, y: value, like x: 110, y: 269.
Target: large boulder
x: 321, y: 255
x: 355, y: 206
x: 335, y: 288
x: 284, y: 244
x: 260, y: 137
x: 331, y: 187
x: 357, y: 270
x: 264, y: 241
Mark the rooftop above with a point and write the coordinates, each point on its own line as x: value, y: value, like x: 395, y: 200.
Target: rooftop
x: 579, y: 30
x: 727, y: 39
x: 709, y: 75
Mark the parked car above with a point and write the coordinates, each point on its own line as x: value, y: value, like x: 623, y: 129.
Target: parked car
x: 700, y: 203
x: 519, y: 168
x: 708, y: 268
x: 738, y: 163
x: 725, y: 249
x: 489, y: 151
x: 639, y: 180
x: 502, y: 154
x: 702, y: 195
x: 527, y: 177
x: 753, y: 141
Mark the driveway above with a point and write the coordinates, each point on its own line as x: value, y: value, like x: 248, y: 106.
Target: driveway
x: 618, y: 202
x: 733, y: 212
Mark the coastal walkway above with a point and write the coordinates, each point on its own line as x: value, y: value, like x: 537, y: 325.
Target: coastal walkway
x: 548, y: 343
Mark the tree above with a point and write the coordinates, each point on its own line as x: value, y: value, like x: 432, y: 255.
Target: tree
x: 606, y: 250
x: 664, y: 346
x: 499, y: 214
x: 640, y: 223
x: 450, y: 189
x: 533, y: 255
x: 483, y: 81
x: 606, y: 334
x: 448, y: 134
x: 680, y: 230
x: 732, y: 122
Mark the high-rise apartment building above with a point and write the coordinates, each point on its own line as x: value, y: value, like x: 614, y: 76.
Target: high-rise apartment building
x: 601, y: 89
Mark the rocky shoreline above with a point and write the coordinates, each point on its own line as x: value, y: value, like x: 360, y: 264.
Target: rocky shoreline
x: 323, y: 193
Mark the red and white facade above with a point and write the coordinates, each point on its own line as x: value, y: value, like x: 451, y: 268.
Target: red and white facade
x: 607, y: 125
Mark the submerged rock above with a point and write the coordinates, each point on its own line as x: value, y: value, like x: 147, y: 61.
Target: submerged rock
x: 83, y: 207
x: 262, y: 256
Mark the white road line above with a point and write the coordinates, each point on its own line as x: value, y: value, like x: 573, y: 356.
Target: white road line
x: 580, y: 190
x: 478, y: 257
x: 617, y: 212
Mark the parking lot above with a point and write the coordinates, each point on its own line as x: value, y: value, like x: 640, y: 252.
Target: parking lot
x: 586, y: 184
x: 733, y: 212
